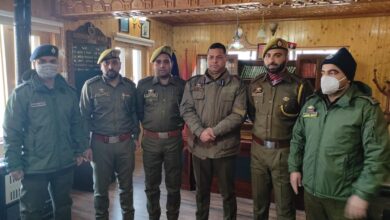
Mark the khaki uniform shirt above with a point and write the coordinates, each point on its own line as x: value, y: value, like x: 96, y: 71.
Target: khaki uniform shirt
x: 219, y: 104
x: 110, y: 110
x: 274, y: 109
x: 158, y: 105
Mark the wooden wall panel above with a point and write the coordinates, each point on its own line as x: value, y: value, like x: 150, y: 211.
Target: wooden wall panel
x: 367, y: 38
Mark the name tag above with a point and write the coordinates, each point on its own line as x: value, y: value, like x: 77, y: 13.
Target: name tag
x: 38, y: 104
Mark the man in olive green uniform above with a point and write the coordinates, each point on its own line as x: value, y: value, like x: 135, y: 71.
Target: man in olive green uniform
x: 214, y: 107
x: 108, y: 105
x: 275, y: 99
x: 44, y: 137
x: 159, y: 97
x: 340, y: 144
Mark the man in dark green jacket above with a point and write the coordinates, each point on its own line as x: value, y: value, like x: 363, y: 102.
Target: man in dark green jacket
x: 340, y: 144
x: 43, y: 136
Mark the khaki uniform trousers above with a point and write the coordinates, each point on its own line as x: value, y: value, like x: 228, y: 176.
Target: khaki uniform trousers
x: 269, y: 170
x: 157, y: 152
x: 107, y: 159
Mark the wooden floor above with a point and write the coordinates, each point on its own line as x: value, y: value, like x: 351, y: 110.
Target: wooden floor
x: 83, y: 202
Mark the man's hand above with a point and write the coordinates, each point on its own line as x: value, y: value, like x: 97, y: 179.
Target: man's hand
x: 137, y: 145
x: 88, y: 155
x: 356, y: 208
x: 79, y: 160
x: 295, y: 181
x: 207, y: 135
x: 17, y: 174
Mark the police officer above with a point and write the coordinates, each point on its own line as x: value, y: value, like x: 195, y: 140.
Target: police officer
x: 340, y: 144
x: 108, y: 105
x: 275, y: 99
x: 159, y: 97
x: 43, y: 136
x: 214, y: 107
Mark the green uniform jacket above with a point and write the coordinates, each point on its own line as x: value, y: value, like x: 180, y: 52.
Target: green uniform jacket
x: 219, y: 104
x: 43, y: 129
x: 158, y: 105
x: 341, y: 149
x: 274, y: 109
x: 110, y: 110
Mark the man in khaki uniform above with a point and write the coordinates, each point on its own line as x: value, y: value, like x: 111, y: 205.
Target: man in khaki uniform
x: 108, y: 105
x: 214, y: 107
x: 159, y: 97
x: 275, y: 99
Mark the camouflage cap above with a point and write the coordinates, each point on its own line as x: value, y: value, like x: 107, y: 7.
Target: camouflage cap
x: 275, y: 43
x: 108, y: 54
x: 163, y: 49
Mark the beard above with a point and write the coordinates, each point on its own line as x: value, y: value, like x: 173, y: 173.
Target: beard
x: 111, y: 74
x: 275, y: 70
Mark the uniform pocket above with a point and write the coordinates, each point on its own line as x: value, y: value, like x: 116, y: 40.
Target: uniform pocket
x: 198, y: 94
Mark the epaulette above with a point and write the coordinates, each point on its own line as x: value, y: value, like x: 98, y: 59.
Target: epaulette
x: 128, y: 81
x: 196, y: 78
x: 311, y: 96
x: 260, y: 76
x: 146, y: 79
x: 371, y: 99
x: 93, y: 79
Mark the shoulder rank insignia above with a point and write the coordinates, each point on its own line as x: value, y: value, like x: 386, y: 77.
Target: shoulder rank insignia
x: 310, y: 112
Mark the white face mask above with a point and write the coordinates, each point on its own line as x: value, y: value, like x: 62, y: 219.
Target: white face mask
x: 47, y: 70
x: 330, y: 85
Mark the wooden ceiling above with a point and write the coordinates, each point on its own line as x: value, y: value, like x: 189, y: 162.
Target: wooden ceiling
x: 184, y: 12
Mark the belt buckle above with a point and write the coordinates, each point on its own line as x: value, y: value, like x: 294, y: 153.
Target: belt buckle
x: 113, y: 139
x: 163, y: 135
x: 270, y: 144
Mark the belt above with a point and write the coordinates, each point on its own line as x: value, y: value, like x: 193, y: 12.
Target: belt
x: 162, y: 135
x: 271, y: 144
x: 112, y: 139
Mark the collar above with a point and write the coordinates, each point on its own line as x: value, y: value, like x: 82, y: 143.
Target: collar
x: 38, y: 85
x: 285, y: 77
x: 223, y: 79
x: 105, y: 80
x: 157, y: 80
x: 342, y: 101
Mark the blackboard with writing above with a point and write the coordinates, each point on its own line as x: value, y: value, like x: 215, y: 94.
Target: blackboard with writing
x: 84, y: 47
x: 84, y: 58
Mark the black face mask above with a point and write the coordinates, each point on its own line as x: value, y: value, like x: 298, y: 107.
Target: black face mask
x: 276, y: 70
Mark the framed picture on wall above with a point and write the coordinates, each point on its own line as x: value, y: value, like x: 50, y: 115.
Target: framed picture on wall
x: 123, y: 25
x: 145, y: 29
x: 260, y: 49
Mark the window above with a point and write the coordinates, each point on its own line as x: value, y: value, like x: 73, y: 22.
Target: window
x: 137, y: 65
x: 122, y: 57
x: 3, y: 79
x: 244, y: 54
x: 293, y: 54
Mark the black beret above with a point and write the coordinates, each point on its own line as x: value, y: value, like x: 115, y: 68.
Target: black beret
x: 44, y: 50
x: 344, y: 60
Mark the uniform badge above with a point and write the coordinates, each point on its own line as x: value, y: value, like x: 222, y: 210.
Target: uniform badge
x: 286, y: 99
x: 310, y: 112
x: 53, y: 51
x: 38, y: 104
x: 150, y: 93
x: 124, y: 96
x: 257, y: 91
x: 280, y: 43
x: 198, y: 87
